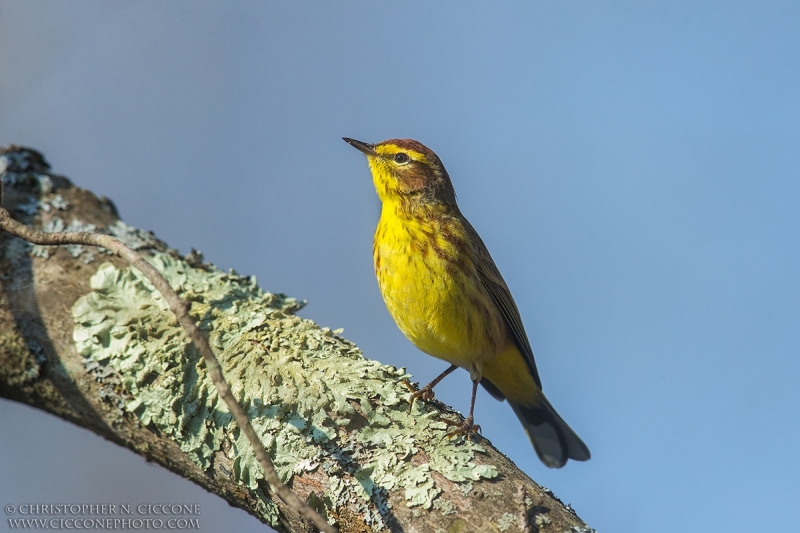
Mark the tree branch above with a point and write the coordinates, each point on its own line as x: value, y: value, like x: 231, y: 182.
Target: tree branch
x: 95, y: 344
x: 181, y: 311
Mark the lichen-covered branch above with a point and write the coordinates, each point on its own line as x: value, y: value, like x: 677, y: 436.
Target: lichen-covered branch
x: 89, y: 338
x: 181, y: 312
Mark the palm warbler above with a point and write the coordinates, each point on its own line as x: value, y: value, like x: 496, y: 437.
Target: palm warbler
x: 445, y: 293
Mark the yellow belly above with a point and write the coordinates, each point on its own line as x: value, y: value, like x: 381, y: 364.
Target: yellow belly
x: 433, y: 293
x: 435, y: 296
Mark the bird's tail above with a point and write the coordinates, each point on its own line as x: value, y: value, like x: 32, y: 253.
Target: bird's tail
x: 553, y: 440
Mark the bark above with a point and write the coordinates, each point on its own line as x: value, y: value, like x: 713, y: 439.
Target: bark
x: 337, y: 425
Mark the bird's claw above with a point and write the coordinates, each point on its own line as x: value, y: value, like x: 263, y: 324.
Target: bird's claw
x: 410, y: 386
x: 425, y: 394
x: 468, y: 428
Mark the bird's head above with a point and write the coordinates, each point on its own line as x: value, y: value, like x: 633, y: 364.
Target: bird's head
x: 407, y: 172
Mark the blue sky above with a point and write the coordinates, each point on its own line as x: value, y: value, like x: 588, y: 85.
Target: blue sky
x: 633, y: 168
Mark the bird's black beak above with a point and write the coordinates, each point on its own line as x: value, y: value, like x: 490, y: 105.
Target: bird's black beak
x: 368, y: 149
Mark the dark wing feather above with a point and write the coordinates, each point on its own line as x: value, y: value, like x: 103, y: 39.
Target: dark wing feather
x: 497, y: 288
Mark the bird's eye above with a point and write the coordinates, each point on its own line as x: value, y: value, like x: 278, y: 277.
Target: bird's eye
x: 401, y: 158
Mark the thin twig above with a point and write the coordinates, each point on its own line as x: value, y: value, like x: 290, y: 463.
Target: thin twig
x: 181, y: 311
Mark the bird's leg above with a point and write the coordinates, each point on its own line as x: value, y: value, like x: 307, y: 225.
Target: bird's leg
x: 467, y: 426
x: 426, y: 392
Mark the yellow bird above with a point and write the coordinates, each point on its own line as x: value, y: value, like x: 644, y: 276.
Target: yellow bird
x: 446, y: 295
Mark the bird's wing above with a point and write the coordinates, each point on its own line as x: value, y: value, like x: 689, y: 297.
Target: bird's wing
x: 497, y: 288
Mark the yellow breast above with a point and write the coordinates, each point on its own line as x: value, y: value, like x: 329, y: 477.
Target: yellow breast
x: 429, y: 283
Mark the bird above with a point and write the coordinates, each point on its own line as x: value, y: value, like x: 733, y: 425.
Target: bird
x: 446, y: 295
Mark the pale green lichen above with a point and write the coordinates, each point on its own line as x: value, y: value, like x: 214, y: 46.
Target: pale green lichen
x: 302, y: 386
x: 446, y: 507
x: 136, y: 238
x: 57, y: 202
x: 56, y: 224
x: 15, y: 167
x: 505, y: 522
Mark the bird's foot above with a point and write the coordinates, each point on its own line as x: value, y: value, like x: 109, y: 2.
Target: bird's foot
x: 425, y: 393
x: 467, y: 428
